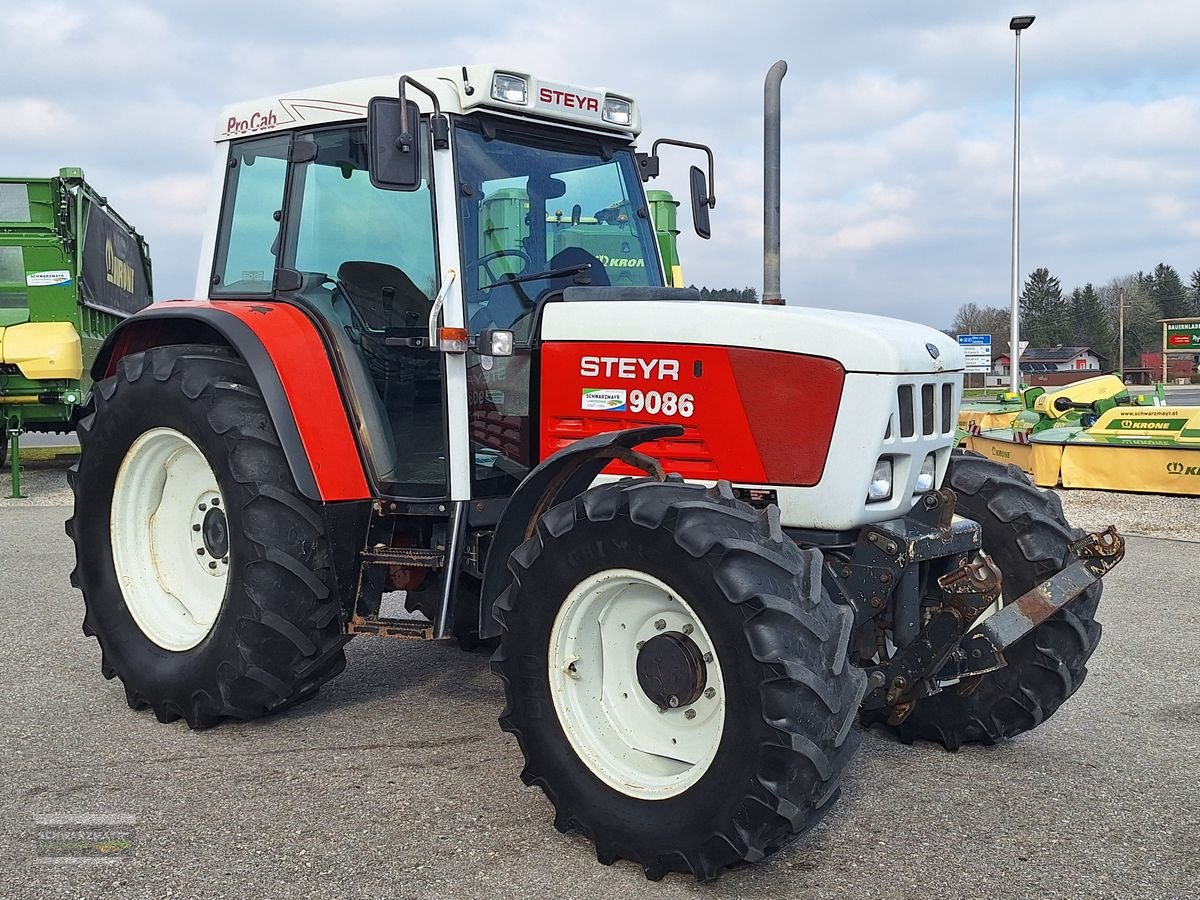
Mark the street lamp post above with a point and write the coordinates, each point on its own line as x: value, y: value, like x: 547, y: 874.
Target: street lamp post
x: 1017, y: 24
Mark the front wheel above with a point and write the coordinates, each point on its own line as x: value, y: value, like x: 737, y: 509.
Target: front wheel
x: 206, y: 575
x: 676, y: 677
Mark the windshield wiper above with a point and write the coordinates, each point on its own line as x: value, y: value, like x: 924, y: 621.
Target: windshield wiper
x: 536, y: 276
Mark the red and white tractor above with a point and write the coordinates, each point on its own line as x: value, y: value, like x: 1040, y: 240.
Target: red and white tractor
x: 435, y: 384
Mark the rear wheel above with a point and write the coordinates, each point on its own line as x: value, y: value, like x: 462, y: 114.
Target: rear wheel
x: 205, y: 574
x: 676, y: 677
x: 1027, y: 535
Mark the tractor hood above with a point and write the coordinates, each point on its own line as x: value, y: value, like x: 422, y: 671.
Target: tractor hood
x: 861, y: 343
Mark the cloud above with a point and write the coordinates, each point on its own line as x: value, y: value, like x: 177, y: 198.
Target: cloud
x: 897, y: 132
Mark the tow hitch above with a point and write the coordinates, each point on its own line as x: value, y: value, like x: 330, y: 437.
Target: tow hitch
x: 949, y: 650
x: 982, y: 649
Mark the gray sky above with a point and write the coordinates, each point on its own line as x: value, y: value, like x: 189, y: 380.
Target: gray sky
x: 897, y: 135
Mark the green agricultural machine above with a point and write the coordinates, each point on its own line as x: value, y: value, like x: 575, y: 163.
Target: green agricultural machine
x: 70, y: 270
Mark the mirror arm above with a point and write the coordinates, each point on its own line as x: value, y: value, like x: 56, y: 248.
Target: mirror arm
x: 439, y: 126
x: 650, y: 166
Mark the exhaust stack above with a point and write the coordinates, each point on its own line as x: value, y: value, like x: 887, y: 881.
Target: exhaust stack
x: 771, y: 116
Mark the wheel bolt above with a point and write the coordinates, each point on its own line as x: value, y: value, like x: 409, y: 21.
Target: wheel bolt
x: 688, y: 628
x: 199, y: 551
x: 710, y: 693
x: 708, y: 657
x: 203, y: 507
x: 195, y: 528
x: 673, y: 701
x: 212, y: 565
x: 660, y: 624
x: 225, y: 561
x: 641, y: 644
x: 216, y: 501
x: 690, y: 714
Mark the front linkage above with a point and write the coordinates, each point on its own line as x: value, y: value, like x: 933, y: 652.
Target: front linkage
x: 920, y: 588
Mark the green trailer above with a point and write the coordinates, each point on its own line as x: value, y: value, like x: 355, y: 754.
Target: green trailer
x: 70, y: 270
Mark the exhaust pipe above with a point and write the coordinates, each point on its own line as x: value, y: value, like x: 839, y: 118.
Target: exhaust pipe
x: 771, y: 116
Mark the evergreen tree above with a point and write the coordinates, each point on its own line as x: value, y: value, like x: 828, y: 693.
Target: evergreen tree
x: 1195, y: 293
x: 1167, y: 292
x: 1093, y: 328
x: 1045, y: 315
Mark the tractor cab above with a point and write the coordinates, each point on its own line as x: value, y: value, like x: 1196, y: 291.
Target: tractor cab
x: 508, y: 191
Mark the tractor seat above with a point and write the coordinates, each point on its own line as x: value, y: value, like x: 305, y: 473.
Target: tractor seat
x: 365, y: 283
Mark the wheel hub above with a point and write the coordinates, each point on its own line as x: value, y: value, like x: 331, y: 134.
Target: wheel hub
x: 671, y: 670
x: 215, y: 531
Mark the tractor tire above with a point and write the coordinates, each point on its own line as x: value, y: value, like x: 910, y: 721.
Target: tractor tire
x: 206, y: 575
x: 1027, y: 535
x: 728, y: 654
x: 3, y: 444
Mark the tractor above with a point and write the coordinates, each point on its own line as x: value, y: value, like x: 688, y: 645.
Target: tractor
x: 437, y: 382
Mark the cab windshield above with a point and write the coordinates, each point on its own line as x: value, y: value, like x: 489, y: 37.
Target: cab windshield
x: 543, y: 210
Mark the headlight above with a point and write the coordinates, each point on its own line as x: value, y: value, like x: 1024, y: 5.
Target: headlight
x: 509, y: 88
x: 881, y: 481
x: 618, y: 111
x: 928, y: 474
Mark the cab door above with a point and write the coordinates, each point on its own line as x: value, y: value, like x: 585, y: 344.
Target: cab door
x: 368, y: 263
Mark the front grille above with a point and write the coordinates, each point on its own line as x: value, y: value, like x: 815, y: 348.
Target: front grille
x: 923, y: 402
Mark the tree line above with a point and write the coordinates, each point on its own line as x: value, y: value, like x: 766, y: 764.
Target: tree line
x: 1089, y: 316
x: 733, y: 295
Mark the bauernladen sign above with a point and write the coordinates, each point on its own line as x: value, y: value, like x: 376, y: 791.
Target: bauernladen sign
x: 1183, y: 335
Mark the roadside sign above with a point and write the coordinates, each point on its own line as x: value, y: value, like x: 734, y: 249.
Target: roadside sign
x: 977, y: 348
x: 1183, y: 335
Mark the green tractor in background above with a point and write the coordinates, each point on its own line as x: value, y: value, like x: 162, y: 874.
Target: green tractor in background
x: 607, y: 234
x: 70, y: 270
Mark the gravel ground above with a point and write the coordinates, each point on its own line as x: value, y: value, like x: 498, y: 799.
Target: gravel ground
x: 43, y: 478
x: 1152, y: 515
x: 396, y: 781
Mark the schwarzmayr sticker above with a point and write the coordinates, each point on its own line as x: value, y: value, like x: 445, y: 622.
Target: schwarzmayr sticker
x: 44, y: 279
x: 604, y: 399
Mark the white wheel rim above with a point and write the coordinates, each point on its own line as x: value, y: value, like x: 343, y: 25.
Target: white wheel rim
x: 172, y: 584
x: 618, y: 732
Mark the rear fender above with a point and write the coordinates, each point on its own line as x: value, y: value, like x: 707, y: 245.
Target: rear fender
x: 558, y: 478
x: 291, y: 366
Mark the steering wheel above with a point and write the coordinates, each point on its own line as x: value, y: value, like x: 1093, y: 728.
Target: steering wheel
x: 482, y: 262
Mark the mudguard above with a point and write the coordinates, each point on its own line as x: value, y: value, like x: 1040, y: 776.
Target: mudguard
x: 290, y: 362
x: 559, y: 477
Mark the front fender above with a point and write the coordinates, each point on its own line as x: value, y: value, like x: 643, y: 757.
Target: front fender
x: 291, y: 365
x: 559, y: 477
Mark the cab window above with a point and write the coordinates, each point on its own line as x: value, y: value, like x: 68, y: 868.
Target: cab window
x: 249, y: 235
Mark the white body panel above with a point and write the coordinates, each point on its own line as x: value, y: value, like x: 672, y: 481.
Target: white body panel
x: 861, y: 343
x: 880, y: 355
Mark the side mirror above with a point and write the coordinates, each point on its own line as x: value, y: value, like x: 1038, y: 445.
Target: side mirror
x: 700, y: 203
x: 393, y: 144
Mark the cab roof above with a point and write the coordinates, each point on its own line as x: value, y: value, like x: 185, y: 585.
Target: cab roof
x: 461, y: 89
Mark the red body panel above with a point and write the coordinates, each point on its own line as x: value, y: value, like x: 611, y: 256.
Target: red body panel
x: 750, y: 416
x: 302, y: 361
